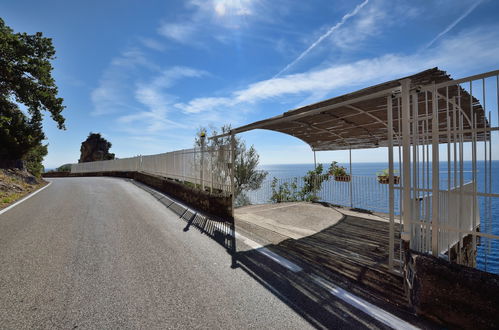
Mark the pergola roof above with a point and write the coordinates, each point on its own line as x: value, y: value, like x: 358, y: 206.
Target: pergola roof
x: 358, y: 120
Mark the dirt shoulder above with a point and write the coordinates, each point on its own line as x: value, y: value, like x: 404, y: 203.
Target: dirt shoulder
x: 15, y: 184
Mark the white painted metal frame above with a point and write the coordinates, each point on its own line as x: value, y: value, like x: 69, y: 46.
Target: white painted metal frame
x: 438, y: 212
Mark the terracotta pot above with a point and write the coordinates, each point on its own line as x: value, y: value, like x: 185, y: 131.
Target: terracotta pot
x: 386, y: 179
x: 343, y: 178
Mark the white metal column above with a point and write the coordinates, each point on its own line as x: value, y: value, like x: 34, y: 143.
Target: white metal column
x: 406, y: 159
x: 391, y: 194
x: 435, y: 184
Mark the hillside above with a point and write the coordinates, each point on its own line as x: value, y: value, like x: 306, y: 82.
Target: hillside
x: 15, y: 184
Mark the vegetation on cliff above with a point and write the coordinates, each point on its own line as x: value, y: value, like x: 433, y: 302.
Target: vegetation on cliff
x: 15, y: 184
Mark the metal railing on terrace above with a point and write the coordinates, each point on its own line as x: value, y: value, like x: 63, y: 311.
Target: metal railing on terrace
x: 362, y: 192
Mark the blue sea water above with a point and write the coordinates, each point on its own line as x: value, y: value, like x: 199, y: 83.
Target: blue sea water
x: 488, y: 250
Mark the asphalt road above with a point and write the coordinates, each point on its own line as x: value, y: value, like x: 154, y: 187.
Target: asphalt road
x: 101, y: 253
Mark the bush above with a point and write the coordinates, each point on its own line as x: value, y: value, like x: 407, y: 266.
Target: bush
x: 285, y: 192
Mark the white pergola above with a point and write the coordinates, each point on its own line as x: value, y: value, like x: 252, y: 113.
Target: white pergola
x: 418, y: 114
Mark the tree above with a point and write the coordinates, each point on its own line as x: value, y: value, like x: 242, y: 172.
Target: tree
x: 33, y: 159
x: 64, y: 168
x: 94, y: 148
x: 18, y: 133
x: 26, y: 78
x: 246, y: 175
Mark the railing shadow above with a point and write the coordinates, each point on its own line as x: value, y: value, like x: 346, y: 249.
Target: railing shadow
x: 296, y: 288
x: 219, y: 229
x: 301, y: 289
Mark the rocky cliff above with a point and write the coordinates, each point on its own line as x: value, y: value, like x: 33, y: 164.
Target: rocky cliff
x: 94, y: 148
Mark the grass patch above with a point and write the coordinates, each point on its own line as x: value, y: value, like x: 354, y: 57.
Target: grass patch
x: 14, y: 187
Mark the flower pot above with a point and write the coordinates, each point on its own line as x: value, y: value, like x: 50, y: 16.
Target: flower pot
x: 343, y: 178
x: 386, y: 179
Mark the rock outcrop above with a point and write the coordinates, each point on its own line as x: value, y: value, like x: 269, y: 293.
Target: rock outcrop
x: 94, y: 148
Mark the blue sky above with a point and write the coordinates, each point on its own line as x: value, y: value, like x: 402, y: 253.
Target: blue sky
x: 148, y: 74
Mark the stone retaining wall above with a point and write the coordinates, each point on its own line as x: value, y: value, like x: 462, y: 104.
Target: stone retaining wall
x: 213, y: 204
x: 452, y: 294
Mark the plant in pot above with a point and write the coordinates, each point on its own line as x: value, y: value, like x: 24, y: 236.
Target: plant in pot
x: 339, y: 172
x: 384, y: 176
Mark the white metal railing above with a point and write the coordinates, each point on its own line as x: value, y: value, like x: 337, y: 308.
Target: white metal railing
x: 363, y: 192
x: 207, y: 168
x: 456, y: 218
x: 449, y: 141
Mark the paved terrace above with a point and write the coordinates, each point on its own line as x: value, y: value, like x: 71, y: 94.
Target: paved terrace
x: 334, y: 242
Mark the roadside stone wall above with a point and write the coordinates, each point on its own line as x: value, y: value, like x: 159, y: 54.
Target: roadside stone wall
x: 213, y: 204
x: 452, y: 294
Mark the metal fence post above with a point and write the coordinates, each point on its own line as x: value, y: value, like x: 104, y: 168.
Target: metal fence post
x: 202, y: 136
x: 233, y: 190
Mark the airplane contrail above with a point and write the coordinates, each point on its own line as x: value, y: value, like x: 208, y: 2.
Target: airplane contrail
x: 451, y: 26
x: 324, y: 36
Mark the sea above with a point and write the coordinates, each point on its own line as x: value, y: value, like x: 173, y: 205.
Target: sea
x: 363, y: 190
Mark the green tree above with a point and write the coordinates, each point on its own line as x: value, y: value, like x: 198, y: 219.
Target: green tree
x: 312, y: 183
x: 26, y: 78
x: 33, y: 159
x: 64, y: 168
x: 246, y: 175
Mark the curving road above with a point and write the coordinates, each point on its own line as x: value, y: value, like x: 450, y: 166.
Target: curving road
x: 101, y: 253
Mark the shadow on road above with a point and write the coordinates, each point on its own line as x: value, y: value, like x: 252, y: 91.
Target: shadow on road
x: 354, y: 266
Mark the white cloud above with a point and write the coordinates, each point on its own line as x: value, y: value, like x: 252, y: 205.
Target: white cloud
x: 232, y: 7
x: 153, y: 44
x: 111, y: 94
x: 369, y: 22
x: 332, y: 29
x: 153, y: 95
x: 477, y: 48
x: 207, y: 17
x: 180, y: 32
x: 204, y: 103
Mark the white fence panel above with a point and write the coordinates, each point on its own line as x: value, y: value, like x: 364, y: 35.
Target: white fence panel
x: 206, y: 169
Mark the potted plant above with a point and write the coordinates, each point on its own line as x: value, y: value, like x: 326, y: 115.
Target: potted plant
x: 384, y: 176
x: 339, y: 172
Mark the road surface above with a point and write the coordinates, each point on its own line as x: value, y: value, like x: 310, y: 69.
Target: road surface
x: 104, y: 253
x: 101, y: 253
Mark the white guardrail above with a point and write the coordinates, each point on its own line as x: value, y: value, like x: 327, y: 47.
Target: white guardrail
x: 207, y: 169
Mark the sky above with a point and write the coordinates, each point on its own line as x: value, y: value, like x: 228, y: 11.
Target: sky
x: 148, y: 74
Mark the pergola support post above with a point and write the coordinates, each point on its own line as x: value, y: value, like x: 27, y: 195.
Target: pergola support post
x: 435, y: 177
x: 351, y: 178
x: 391, y: 195
x: 406, y: 159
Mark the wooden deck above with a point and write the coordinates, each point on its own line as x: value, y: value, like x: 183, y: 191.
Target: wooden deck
x: 355, y: 249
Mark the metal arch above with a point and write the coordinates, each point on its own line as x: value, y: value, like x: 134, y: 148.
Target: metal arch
x: 367, y: 113
x: 322, y: 130
x: 352, y: 124
x: 454, y: 103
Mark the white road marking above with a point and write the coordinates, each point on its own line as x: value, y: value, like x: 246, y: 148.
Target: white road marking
x: 351, y: 299
x: 24, y: 198
x: 266, y: 252
x: 359, y: 303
